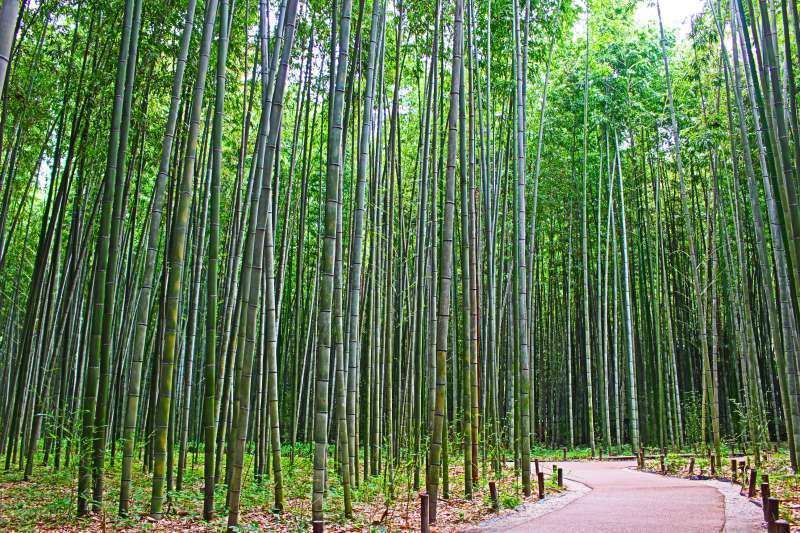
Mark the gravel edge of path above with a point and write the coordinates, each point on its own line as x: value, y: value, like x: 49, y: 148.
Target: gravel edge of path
x: 741, y: 513
x: 531, y: 510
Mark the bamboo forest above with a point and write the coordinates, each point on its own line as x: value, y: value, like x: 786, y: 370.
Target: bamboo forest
x: 394, y: 265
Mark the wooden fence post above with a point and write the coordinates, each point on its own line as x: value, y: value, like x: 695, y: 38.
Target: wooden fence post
x: 560, y: 477
x: 540, y: 479
x: 765, y: 496
x: 733, y: 470
x: 779, y: 526
x: 751, y: 486
x: 424, y: 509
x: 493, y: 496
x: 774, y: 510
x: 691, y: 465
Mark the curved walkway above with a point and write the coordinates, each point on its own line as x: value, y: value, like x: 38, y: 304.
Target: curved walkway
x: 624, y: 500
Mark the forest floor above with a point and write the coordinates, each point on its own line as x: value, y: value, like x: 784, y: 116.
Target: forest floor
x: 47, y: 501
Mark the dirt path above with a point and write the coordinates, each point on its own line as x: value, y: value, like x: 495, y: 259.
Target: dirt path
x: 624, y: 500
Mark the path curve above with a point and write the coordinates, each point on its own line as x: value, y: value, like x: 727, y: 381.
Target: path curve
x: 625, y: 500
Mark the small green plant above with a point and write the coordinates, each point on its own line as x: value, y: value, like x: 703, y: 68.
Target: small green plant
x: 487, y: 500
x: 691, y: 418
x: 750, y: 427
x: 509, y: 501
